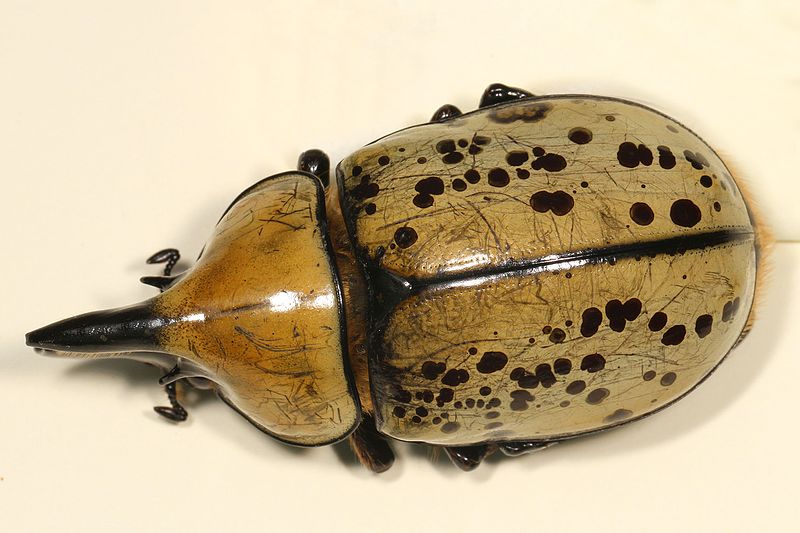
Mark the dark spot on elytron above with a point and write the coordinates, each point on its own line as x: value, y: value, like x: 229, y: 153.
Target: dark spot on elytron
x: 370, y: 209
x: 642, y: 214
x: 531, y: 340
x: 523, y: 174
x: 470, y: 403
x: 666, y: 159
x: 474, y: 149
x: 538, y: 151
x: 672, y: 128
x: 729, y: 309
x: 559, y: 202
x: 455, y: 377
x: 365, y: 189
x: 562, y: 366
x: 458, y: 185
x: 399, y: 412
x: 480, y: 403
x: 545, y: 375
x: 630, y: 155
x: 402, y: 396
x: 498, y: 177
x: 472, y: 176
x: 494, y: 402
x: 516, y: 158
x: 485, y: 391
x: 549, y: 162
x: 576, y: 387
x: 481, y: 140
x: 491, y: 362
x: 568, y: 323
x: 717, y: 207
x: 597, y: 396
x: 492, y: 414
x: 446, y: 416
x: 432, y: 370
x: 427, y: 396
x: 453, y: 158
x: 618, y: 415
x: 579, y: 135
x: 685, y: 213
x: 547, y: 329
x: 473, y: 350
x: 705, y: 181
x: 416, y: 419
x: 450, y: 427
x: 657, y: 321
x: 697, y: 160
x: 520, y: 399
x: 458, y: 405
x: 422, y: 411
x: 557, y: 336
x: 593, y: 363
x: 493, y: 425
x: 631, y: 309
x: 564, y: 403
x: 527, y: 112
x: 528, y: 381
x: 610, y: 118
x: 401, y: 149
x: 649, y: 375
x: 433, y: 185
x: 422, y: 160
x: 383, y: 160
x: 616, y: 315
x: 668, y: 379
x: 445, y: 147
x: 703, y: 325
x: 674, y: 335
x: 517, y: 373
x: 590, y: 321
x: 423, y: 200
x: 445, y: 395
x: 405, y: 237
x: 357, y: 170
x: 436, y: 420
x: 463, y: 143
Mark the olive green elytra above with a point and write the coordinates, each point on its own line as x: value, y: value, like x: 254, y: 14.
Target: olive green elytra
x: 536, y: 270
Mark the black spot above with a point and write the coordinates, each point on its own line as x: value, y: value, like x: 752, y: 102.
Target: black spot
x: 436, y: 420
x: 562, y: 366
x: 590, y: 321
x: 383, y: 160
x: 463, y: 143
x: 545, y: 375
x: 705, y: 181
x: 593, y: 363
x: 649, y: 375
x: 405, y: 237
x: 493, y: 425
x: 427, y: 396
x: 631, y: 309
x: 498, y: 177
x: 494, y: 402
x: 642, y: 214
x: 559, y: 202
x: 472, y: 176
x: 616, y: 316
x: 399, y: 412
x: 528, y: 381
x: 480, y: 403
x: 697, y: 160
x: 422, y: 411
x: 445, y: 147
x: 630, y: 155
x: 557, y: 336
x: 473, y: 350
x: 433, y: 185
x: 685, y: 213
x: 547, y: 329
x: 423, y: 200
x: 453, y: 158
x: 520, y: 399
x: 474, y: 149
x: 432, y: 370
x: 516, y: 158
x: 610, y: 118
x: 450, y: 427
x: 422, y: 160
x: 370, y: 209
x: 470, y: 403
x: 481, y: 140
x: 674, y: 335
x: 657, y: 321
x: 703, y: 325
x: 549, y: 162
x: 458, y: 185
x: 454, y: 377
x: 584, y: 184
x: 597, y: 396
x: 523, y: 174
x: 365, y: 189
x: 416, y: 419
x: 517, y: 373
x: 538, y: 151
x: 729, y: 310
x: 492, y: 362
x: 668, y: 379
x: 357, y: 170
x: 485, y: 391
x: 579, y: 135
x: 492, y: 414
x: 717, y: 207
x: 445, y: 395
x: 618, y: 415
x: 576, y: 387
x: 666, y: 159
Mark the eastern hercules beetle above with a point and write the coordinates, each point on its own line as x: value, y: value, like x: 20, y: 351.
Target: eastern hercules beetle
x: 538, y: 269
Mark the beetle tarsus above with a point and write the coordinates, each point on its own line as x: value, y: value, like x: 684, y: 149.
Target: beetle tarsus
x: 370, y: 447
x: 498, y: 93
x: 514, y: 449
x: 467, y: 457
x: 446, y: 112
x: 176, y: 412
x: 315, y: 162
x: 170, y: 256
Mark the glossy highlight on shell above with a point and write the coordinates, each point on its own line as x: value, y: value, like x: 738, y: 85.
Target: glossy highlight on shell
x: 536, y: 270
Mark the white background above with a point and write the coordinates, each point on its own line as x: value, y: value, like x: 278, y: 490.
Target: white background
x: 126, y: 128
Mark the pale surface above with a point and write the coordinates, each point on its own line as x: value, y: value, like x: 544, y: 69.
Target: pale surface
x: 126, y: 130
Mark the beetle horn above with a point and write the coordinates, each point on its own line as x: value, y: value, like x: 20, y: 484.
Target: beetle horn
x: 131, y: 328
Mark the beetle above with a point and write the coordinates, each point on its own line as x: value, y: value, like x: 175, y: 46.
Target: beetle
x: 542, y: 268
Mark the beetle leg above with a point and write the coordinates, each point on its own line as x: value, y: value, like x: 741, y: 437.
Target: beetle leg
x: 371, y: 448
x: 514, y: 449
x: 497, y: 93
x: 315, y: 162
x: 446, y: 112
x: 176, y: 412
x: 467, y: 457
x: 170, y: 256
